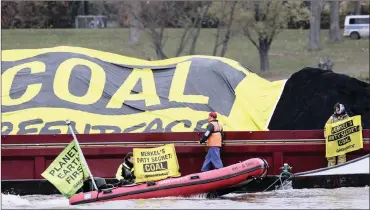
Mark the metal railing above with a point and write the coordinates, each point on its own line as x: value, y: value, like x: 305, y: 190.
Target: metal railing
x: 226, y: 142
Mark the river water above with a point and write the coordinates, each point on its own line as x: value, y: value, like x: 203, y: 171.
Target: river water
x: 341, y: 198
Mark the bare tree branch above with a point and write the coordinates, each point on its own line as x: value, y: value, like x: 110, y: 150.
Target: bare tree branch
x: 199, y: 26
x: 266, y: 19
x: 228, y: 30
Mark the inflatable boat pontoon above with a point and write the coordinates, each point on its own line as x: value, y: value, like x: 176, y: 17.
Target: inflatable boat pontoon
x: 192, y: 184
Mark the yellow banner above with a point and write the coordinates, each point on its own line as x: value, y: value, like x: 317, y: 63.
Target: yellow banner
x: 344, y: 136
x: 101, y: 92
x: 67, y: 172
x: 157, y: 163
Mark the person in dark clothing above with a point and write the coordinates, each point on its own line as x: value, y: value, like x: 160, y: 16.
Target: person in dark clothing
x: 125, y: 172
x: 214, y: 136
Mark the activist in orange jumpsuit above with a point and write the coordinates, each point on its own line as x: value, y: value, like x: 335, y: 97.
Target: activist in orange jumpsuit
x: 125, y: 172
x: 340, y: 113
x: 214, y: 136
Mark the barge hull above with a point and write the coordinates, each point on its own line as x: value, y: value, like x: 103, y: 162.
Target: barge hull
x: 25, y: 157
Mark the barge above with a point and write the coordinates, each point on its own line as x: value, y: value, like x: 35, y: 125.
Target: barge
x: 25, y: 157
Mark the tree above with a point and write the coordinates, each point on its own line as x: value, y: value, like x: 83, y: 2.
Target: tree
x: 9, y: 11
x: 226, y: 11
x: 358, y: 7
x: 334, y: 31
x: 135, y: 29
x: 264, y: 20
x: 156, y: 17
x: 314, y: 34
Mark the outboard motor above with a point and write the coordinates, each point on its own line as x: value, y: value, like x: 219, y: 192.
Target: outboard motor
x: 89, y: 186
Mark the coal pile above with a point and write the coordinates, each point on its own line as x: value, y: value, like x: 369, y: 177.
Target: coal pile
x: 310, y: 95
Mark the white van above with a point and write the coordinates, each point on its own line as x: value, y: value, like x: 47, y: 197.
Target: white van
x: 356, y: 26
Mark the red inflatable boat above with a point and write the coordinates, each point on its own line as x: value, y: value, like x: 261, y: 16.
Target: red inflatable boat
x: 183, y: 186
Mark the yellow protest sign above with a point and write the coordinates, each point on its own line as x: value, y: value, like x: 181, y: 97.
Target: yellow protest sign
x: 67, y: 172
x: 152, y: 164
x: 344, y: 136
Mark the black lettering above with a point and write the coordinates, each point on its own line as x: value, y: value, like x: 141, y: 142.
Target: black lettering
x: 78, y: 183
x: 346, y: 148
x: 52, y: 172
x: 105, y: 128
x: 9, y: 128
x: 22, y: 126
x: 60, y: 175
x: 154, y: 175
x: 60, y: 165
x: 159, y: 126
x: 341, y: 127
x: 250, y: 163
x: 66, y: 158
x: 74, y: 161
x: 349, y: 131
x: 66, y: 172
x: 79, y: 169
x: 70, y: 167
x: 332, y: 137
x: 199, y: 126
x: 70, y: 153
x: 344, y: 141
x: 133, y: 128
x: 69, y: 179
x: 75, y: 173
x: 46, y: 129
x: 187, y: 124
x: 344, y: 133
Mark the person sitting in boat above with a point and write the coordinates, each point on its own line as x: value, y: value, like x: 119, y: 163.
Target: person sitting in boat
x: 214, y: 136
x: 125, y: 173
x: 340, y: 113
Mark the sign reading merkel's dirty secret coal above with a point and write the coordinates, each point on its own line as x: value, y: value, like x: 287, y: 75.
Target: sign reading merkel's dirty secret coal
x: 101, y: 93
x: 155, y: 163
x: 344, y: 136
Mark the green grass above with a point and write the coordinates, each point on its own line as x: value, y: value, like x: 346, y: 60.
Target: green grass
x: 288, y: 52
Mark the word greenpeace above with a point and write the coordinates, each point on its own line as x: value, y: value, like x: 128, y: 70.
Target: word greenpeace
x: 66, y: 172
x: 156, y: 175
x: 155, y: 163
x: 39, y: 126
x: 346, y: 148
x: 341, y: 133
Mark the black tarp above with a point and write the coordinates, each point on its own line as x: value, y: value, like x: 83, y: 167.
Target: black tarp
x: 310, y: 94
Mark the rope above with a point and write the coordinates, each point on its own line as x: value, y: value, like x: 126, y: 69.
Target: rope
x: 279, y: 179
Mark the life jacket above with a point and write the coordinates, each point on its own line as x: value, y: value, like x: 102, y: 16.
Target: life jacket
x: 215, y: 139
x: 127, y: 172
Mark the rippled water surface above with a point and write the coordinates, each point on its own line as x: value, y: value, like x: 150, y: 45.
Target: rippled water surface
x: 343, y: 198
